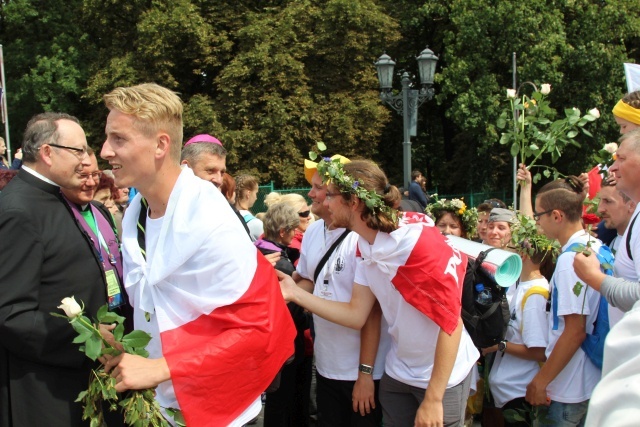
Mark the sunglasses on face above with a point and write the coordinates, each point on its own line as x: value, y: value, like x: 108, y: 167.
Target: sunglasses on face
x: 304, y: 214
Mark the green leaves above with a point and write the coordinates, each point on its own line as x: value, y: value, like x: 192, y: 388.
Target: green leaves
x: 135, y: 343
x: 177, y: 416
x: 533, y: 130
x: 139, y: 406
x: 577, y: 288
x: 105, y: 316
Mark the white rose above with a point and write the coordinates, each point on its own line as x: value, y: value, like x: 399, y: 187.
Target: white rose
x: 611, y: 147
x: 596, y: 113
x: 511, y: 93
x: 71, y: 307
x: 545, y: 88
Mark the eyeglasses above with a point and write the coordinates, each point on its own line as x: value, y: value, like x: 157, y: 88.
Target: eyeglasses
x: 304, y: 214
x: 537, y: 215
x: 329, y: 194
x: 79, y: 152
x: 85, y: 176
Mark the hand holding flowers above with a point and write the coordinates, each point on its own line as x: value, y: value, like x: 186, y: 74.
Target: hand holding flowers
x: 104, y: 340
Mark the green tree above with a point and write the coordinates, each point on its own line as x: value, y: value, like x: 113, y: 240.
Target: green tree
x: 577, y: 46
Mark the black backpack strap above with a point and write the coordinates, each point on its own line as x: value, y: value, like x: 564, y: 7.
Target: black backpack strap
x: 481, y: 257
x: 479, y: 260
x: 326, y: 256
x: 633, y: 221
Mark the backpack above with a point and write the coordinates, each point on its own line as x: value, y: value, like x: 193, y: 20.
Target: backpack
x: 487, y: 325
x: 593, y: 344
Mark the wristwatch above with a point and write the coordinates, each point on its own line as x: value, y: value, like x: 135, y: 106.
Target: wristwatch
x: 365, y: 369
x: 502, y: 346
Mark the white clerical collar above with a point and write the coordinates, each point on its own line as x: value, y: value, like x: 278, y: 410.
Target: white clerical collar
x: 39, y: 176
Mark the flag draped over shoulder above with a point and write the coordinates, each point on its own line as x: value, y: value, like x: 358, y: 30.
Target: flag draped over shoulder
x: 423, y: 267
x: 224, y: 328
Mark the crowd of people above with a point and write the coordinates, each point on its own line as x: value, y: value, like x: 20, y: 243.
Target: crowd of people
x: 361, y: 288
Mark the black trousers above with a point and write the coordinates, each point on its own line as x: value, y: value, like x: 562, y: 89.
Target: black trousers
x: 335, y: 408
x: 288, y: 406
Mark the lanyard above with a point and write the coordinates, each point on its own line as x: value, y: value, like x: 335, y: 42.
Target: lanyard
x: 142, y: 223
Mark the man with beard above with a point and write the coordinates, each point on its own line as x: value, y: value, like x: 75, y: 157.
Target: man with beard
x: 349, y: 363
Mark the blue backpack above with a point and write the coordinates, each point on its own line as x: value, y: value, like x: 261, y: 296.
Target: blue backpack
x: 593, y: 344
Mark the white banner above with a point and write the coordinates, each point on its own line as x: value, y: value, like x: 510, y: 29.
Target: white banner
x: 632, y: 73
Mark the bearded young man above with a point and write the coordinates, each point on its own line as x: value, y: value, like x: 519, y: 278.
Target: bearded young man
x: 417, y: 278
x: 349, y: 363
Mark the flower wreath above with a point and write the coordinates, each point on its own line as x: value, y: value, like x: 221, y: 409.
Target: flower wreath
x: 525, y: 238
x: 333, y: 171
x: 469, y: 217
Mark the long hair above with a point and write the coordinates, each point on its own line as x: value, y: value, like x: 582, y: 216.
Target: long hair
x: 371, y: 177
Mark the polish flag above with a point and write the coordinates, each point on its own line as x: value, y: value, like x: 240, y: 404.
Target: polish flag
x: 424, y: 267
x: 595, y: 184
x: 217, y: 313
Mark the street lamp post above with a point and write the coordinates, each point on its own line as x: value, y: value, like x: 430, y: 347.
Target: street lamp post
x: 408, y: 100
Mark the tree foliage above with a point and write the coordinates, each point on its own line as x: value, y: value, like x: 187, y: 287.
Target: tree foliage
x: 271, y: 78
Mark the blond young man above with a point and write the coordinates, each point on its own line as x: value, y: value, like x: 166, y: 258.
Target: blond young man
x: 219, y: 331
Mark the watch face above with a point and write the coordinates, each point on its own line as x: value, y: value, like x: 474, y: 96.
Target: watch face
x: 502, y: 345
x: 366, y: 369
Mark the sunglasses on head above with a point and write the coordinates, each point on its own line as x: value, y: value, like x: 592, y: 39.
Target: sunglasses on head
x: 493, y: 203
x: 304, y: 214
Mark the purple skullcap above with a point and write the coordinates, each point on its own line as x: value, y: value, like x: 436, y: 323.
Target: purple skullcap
x: 203, y: 138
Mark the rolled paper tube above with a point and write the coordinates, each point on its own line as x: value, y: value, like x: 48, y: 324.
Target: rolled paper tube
x: 504, y: 266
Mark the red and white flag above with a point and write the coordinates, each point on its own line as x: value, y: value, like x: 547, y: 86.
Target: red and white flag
x: 217, y: 314
x: 423, y: 266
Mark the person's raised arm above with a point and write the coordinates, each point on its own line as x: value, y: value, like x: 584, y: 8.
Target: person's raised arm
x: 352, y: 314
x: 525, y: 201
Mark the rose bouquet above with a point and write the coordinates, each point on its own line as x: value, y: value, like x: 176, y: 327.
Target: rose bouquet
x: 139, y: 407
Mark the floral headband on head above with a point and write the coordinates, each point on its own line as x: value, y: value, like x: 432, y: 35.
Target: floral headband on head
x: 526, y: 240
x: 332, y: 171
x: 469, y: 217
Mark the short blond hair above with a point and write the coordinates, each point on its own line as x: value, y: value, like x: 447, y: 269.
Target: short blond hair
x: 294, y: 200
x: 154, y: 108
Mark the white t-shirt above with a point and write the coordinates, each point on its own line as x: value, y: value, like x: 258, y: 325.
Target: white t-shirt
x: 616, y: 399
x: 623, y: 266
x: 576, y: 381
x: 615, y: 314
x: 336, y: 348
x: 510, y: 375
x: 256, y: 227
x: 413, y: 335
